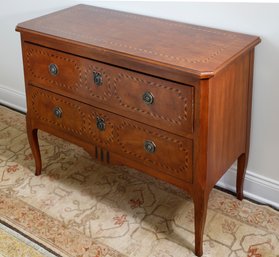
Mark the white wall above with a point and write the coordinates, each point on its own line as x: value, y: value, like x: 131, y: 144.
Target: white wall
x: 253, y: 18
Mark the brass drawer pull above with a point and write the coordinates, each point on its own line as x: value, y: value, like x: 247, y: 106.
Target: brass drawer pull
x: 98, y: 79
x: 148, y: 98
x: 53, y: 69
x: 100, y: 123
x: 57, y: 111
x: 149, y: 146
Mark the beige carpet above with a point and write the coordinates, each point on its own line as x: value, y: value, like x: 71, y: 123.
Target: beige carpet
x: 78, y: 207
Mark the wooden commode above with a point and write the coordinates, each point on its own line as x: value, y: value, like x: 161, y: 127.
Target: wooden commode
x: 170, y: 99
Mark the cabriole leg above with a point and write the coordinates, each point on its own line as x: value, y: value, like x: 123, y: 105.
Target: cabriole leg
x: 32, y: 134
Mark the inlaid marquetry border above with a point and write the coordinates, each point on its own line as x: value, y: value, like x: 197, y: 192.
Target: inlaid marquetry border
x: 177, y: 120
x: 41, y: 24
x: 180, y: 169
x: 33, y: 52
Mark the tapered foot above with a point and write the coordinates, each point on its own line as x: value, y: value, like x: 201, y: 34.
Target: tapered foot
x: 32, y: 134
x: 200, y: 205
x: 241, y: 170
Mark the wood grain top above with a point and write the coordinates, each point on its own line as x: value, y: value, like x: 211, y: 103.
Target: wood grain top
x: 198, y: 50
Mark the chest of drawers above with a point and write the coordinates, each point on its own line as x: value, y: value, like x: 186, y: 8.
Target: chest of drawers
x: 170, y: 99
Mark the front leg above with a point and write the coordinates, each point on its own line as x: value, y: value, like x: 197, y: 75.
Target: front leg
x: 32, y: 134
x: 200, y: 206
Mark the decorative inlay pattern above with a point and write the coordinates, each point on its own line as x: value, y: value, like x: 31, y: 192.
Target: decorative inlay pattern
x: 176, y: 171
x: 176, y: 120
x: 105, y: 89
x: 100, y: 137
x: 81, y: 78
x: 87, y: 116
x: 36, y: 98
x: 163, y: 21
x: 33, y: 53
x: 93, y: 38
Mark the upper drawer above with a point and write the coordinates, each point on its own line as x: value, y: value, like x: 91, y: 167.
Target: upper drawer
x: 157, y: 102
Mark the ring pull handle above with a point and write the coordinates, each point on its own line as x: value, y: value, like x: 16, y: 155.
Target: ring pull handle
x: 100, y: 123
x: 148, y: 98
x: 53, y: 69
x: 57, y: 111
x: 149, y: 146
x: 98, y: 79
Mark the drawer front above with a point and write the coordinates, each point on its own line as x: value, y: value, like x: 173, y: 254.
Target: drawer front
x: 66, y: 74
x: 155, y: 148
x: 157, y: 102
x: 165, y: 152
x: 67, y: 115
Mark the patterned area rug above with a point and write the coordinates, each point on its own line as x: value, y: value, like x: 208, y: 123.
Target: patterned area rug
x: 78, y: 207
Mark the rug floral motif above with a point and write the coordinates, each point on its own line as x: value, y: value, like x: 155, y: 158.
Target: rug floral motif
x: 79, y: 207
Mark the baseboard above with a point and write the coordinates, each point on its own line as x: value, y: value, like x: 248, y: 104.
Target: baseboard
x: 12, y: 98
x: 256, y: 187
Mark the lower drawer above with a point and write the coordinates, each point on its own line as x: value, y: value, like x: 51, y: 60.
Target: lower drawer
x: 155, y: 148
